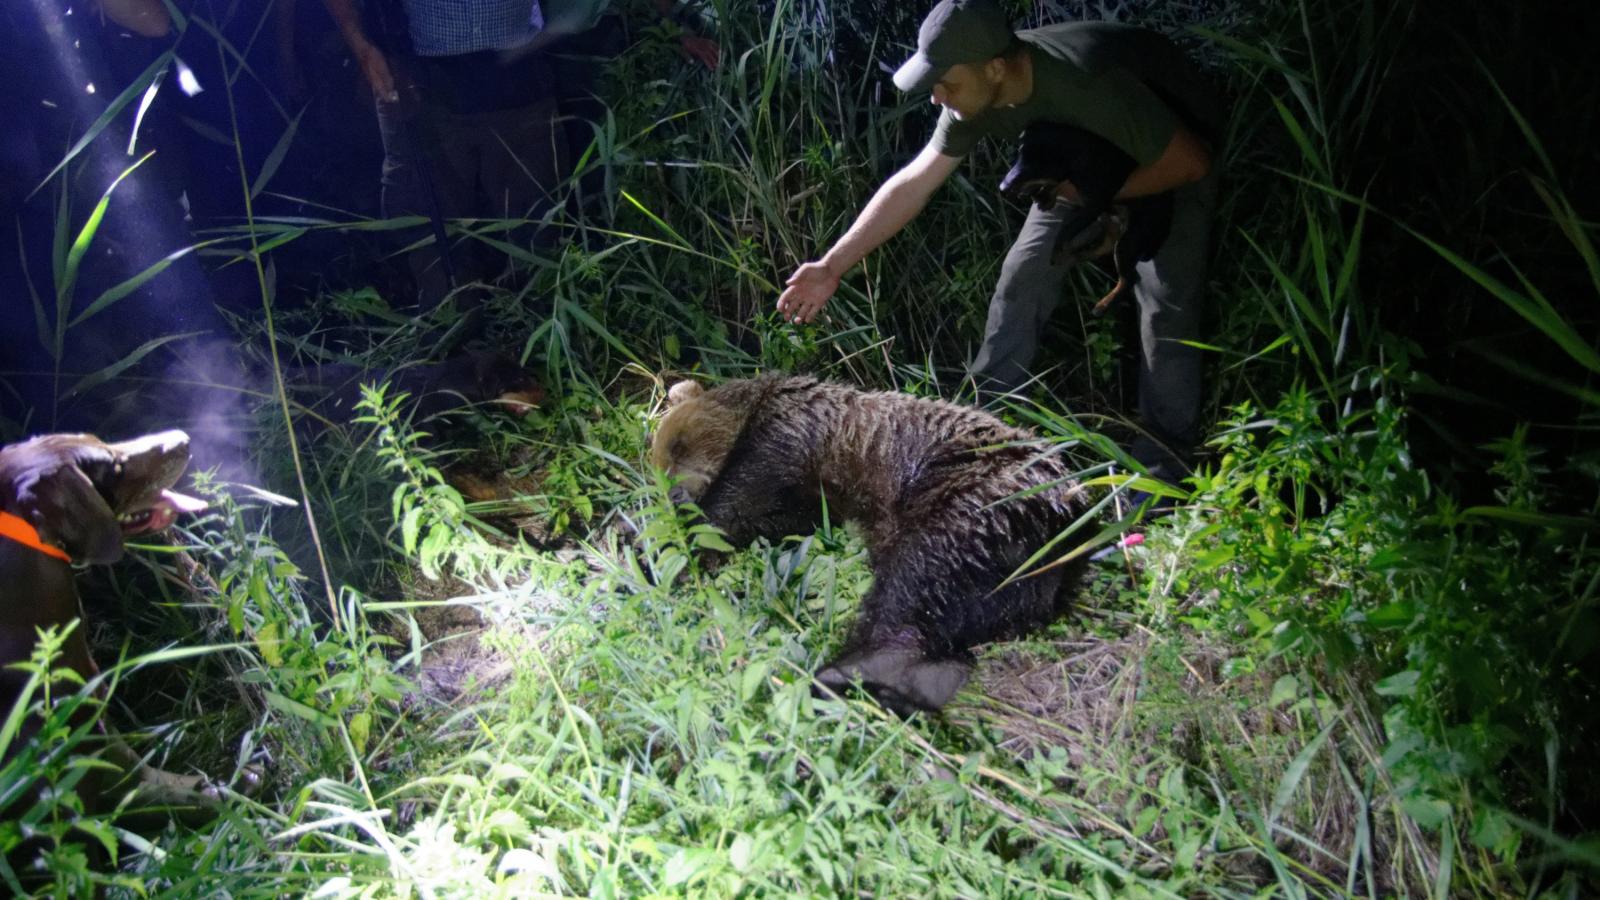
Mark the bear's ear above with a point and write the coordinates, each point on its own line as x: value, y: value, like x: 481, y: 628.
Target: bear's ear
x: 684, y: 390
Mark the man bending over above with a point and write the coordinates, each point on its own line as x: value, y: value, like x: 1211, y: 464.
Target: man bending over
x: 1131, y: 86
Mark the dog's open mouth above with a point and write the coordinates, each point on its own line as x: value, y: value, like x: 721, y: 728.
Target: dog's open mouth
x: 521, y: 402
x: 160, y: 514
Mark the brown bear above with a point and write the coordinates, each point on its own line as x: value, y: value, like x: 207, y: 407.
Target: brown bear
x: 951, y: 500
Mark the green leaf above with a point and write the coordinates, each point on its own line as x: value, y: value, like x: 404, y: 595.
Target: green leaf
x: 267, y: 644
x: 687, y: 865
x: 1401, y: 684
x: 360, y: 730
x: 1491, y: 831
x: 1188, y: 852
x: 41, y: 321
x: 1529, y: 517
x: 101, y: 831
x: 751, y: 679
x: 507, y: 825
x: 299, y: 710
x: 1392, y: 615
x: 741, y: 852
x: 1146, y: 820
x: 711, y: 539
x: 409, y: 526
x: 1532, y: 306
x: 1284, y: 689
x: 1428, y: 812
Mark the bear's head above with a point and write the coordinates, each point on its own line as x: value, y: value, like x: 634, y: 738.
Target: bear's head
x: 695, y: 436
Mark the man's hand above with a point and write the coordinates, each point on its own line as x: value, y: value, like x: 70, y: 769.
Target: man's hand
x: 376, y: 69
x: 703, y: 49
x: 146, y: 18
x: 807, y: 292
x: 1067, y: 191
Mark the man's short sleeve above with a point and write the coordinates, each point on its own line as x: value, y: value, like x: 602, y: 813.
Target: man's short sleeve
x: 953, y: 137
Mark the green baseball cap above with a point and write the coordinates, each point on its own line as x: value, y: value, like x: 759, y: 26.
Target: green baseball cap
x: 956, y: 32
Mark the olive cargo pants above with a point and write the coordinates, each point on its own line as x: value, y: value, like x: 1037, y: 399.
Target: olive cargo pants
x: 1170, y: 293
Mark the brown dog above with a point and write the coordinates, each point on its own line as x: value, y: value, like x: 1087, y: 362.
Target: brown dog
x: 71, y: 498
x: 438, y: 391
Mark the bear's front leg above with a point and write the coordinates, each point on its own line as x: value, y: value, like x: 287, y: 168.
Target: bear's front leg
x: 895, y: 649
x: 902, y: 679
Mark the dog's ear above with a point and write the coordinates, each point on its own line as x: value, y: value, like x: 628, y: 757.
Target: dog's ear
x: 63, y: 505
x: 1024, y: 181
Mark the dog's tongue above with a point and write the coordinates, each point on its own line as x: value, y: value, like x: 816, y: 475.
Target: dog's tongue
x: 164, y: 512
x: 182, y: 503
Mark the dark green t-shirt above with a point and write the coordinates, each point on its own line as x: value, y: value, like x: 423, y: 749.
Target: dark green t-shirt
x: 1118, y: 81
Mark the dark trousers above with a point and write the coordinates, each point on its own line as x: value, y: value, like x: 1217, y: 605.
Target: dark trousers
x: 576, y: 64
x: 504, y: 164
x: 1170, y: 293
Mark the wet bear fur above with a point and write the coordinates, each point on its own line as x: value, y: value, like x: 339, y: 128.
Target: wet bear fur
x: 929, y: 483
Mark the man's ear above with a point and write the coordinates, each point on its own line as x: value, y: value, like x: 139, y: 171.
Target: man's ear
x: 994, y: 71
x: 69, y: 513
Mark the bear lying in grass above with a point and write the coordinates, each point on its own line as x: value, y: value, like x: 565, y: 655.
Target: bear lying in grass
x: 930, y: 484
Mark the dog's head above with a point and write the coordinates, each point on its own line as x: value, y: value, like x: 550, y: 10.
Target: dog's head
x: 500, y: 379
x: 86, y: 496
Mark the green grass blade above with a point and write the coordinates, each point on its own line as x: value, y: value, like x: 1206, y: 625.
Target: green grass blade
x: 1297, y: 772
x: 122, y: 365
x: 1533, y: 307
x: 269, y: 167
x: 112, y: 294
x: 80, y: 245
x: 123, y: 99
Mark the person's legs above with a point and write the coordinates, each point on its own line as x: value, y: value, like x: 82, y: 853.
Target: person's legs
x: 576, y: 65
x: 509, y: 162
x: 1171, y: 293
x: 522, y: 158
x: 420, y: 179
x: 1028, y: 290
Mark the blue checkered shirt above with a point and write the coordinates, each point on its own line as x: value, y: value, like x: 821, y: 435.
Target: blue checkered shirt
x: 448, y: 27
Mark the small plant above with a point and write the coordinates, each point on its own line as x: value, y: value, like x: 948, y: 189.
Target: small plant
x: 431, y: 515
x: 43, y: 742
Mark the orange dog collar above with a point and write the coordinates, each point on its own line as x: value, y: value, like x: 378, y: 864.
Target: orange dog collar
x: 20, y: 530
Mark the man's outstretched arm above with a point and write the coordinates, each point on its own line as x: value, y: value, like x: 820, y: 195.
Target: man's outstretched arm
x: 896, y: 203
x: 146, y: 18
